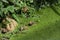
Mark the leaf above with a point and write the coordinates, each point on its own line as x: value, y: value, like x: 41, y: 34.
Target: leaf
x: 14, y: 1
x: 5, y: 10
x: 0, y: 13
x: 15, y: 17
x: 5, y: 1
x: 31, y: 1
x: 16, y: 8
x: 1, y: 5
x: 11, y: 8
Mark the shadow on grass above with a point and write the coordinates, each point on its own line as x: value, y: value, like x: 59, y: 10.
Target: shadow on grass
x: 54, y: 9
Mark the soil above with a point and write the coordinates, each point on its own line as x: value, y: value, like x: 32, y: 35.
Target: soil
x: 9, y: 26
x: 12, y: 25
x: 30, y: 23
x: 24, y: 9
x: 23, y: 28
x: 5, y: 38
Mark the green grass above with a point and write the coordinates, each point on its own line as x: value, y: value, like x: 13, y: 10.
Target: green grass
x: 47, y: 27
x: 48, y: 33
